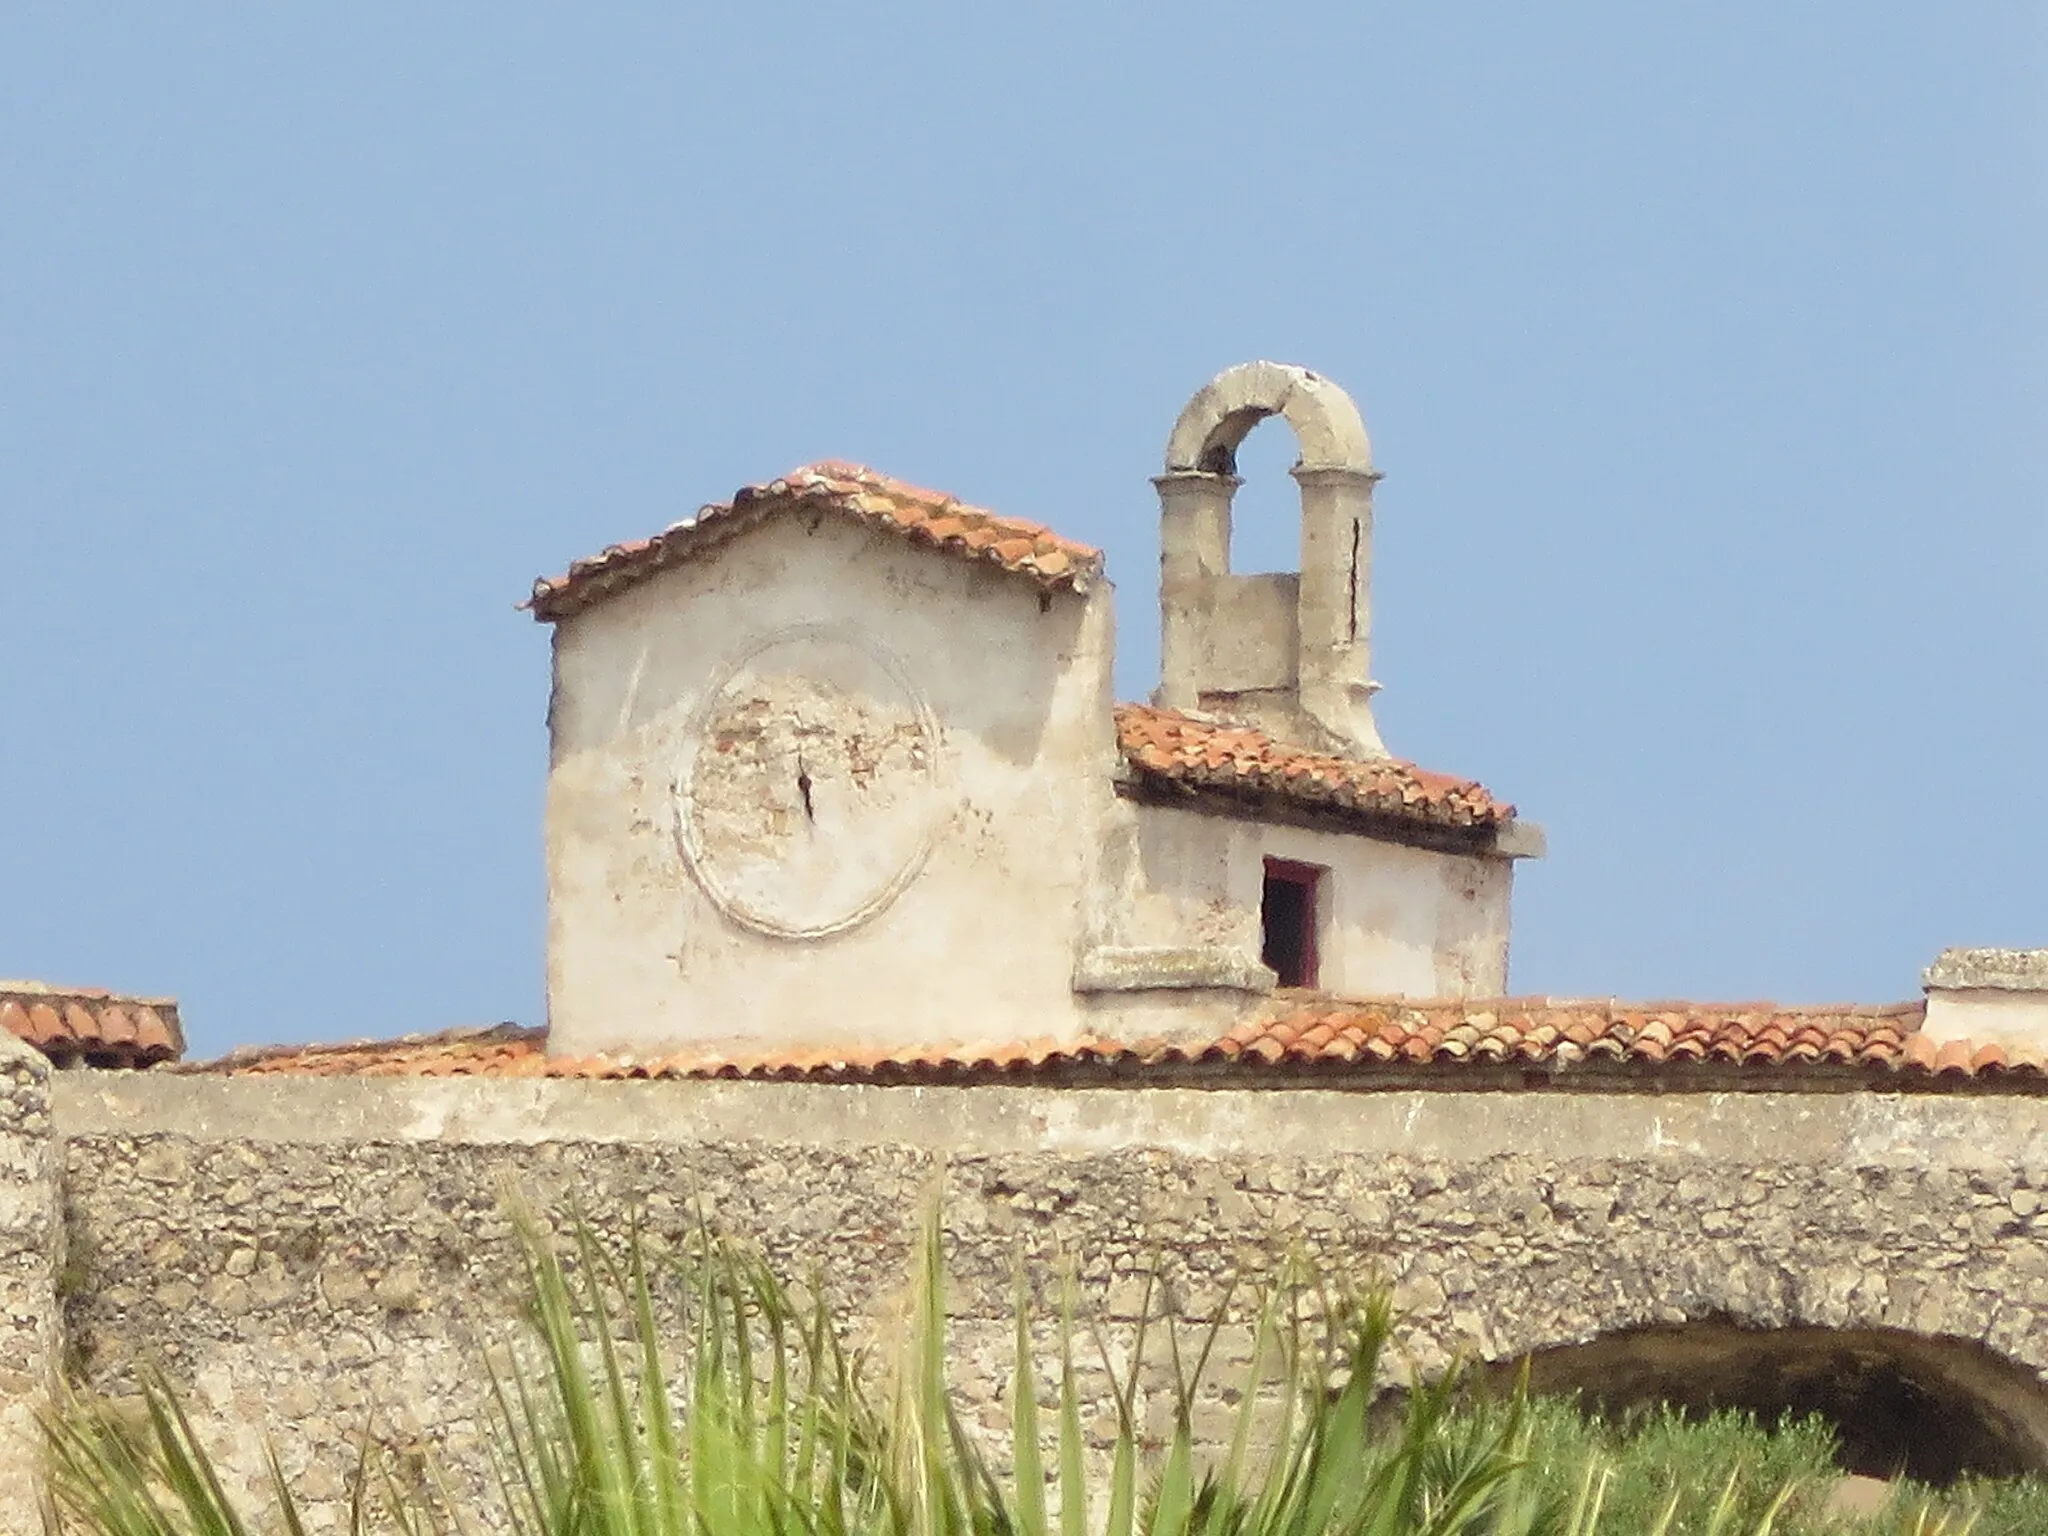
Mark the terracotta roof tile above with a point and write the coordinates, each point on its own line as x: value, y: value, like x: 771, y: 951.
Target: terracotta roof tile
x: 931, y: 518
x: 1530, y: 1040
x: 90, y: 1026
x: 155, y: 1032
x: 1167, y: 750
x: 502, y: 1050
x: 47, y: 1028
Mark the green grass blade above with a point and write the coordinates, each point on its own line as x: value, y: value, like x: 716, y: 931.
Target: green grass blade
x: 1173, y: 1506
x: 1073, y: 1477
x: 1123, y: 1485
x: 666, y: 1503
x: 1024, y: 1453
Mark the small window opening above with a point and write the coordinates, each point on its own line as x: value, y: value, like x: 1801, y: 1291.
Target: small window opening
x: 1287, y: 916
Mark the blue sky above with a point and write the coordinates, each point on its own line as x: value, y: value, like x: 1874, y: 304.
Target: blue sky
x: 1705, y: 349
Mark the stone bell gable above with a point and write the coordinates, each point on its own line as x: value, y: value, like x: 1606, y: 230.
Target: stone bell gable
x: 1285, y: 651
x: 838, y: 766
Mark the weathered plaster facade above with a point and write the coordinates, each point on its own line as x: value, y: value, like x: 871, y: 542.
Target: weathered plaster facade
x: 798, y: 781
x: 299, y: 1252
x: 1397, y: 920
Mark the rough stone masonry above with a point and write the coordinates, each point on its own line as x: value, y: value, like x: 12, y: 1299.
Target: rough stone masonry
x: 305, y: 1256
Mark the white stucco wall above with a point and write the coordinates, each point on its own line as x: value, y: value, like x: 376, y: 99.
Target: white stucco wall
x: 1986, y: 1015
x: 819, y: 786
x: 1395, y: 921
x: 1989, y: 996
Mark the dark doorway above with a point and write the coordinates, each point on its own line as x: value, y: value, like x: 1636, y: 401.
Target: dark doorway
x: 1288, y: 916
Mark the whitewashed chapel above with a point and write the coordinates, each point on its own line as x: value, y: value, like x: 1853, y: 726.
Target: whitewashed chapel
x: 838, y: 764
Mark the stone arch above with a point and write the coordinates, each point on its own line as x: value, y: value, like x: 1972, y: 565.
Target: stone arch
x: 1825, y: 1225
x: 1933, y: 1408
x: 1325, y: 422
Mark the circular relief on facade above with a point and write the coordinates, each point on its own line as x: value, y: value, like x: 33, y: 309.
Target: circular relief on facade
x: 808, y: 793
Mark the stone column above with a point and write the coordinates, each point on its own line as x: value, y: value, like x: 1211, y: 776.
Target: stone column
x: 1194, y: 555
x: 1336, y: 605
x: 31, y: 1250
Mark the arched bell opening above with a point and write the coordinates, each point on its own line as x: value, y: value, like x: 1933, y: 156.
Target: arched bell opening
x: 1934, y: 1409
x: 1265, y: 512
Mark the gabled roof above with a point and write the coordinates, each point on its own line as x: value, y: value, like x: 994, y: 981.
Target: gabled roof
x: 1500, y: 1043
x: 930, y: 518
x: 1183, y: 754
x: 91, y: 1026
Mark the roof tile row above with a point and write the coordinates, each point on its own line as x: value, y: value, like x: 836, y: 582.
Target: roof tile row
x: 1531, y: 1039
x: 923, y: 516
x: 91, y: 1025
x: 1164, y: 746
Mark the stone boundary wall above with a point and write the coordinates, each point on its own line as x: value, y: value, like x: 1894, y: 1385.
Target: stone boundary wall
x: 31, y: 1252
x: 299, y: 1253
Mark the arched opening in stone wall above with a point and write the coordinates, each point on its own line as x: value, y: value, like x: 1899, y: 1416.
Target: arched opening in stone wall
x: 1265, y: 526
x: 1930, y: 1408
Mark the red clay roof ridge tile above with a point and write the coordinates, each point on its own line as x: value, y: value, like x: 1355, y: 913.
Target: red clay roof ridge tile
x: 1485, y: 1004
x: 930, y: 518
x: 247, y: 1057
x: 91, y: 1025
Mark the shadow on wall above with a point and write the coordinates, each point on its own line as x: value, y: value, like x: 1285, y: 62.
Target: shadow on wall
x: 1932, y: 1408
